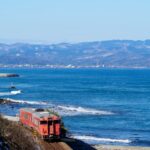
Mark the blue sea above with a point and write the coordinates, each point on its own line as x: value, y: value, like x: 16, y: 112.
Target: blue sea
x: 98, y: 106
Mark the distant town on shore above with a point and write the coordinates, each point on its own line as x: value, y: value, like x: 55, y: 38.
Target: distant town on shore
x: 98, y: 54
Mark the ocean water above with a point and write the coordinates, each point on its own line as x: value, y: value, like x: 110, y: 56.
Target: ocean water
x: 98, y: 106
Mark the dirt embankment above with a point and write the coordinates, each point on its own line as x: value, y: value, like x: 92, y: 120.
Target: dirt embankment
x: 16, y: 137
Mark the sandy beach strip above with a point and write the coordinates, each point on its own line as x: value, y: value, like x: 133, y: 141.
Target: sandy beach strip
x: 110, y: 147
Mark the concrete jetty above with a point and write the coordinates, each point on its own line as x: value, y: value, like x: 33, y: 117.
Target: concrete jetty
x: 6, y: 75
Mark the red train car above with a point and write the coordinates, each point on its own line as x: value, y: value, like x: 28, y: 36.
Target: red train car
x: 47, y: 124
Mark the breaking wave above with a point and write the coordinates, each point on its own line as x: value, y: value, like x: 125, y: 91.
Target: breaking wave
x: 15, y: 92
x: 10, y: 93
x: 27, y: 102
x: 96, y: 139
x: 72, y: 110
x: 64, y: 110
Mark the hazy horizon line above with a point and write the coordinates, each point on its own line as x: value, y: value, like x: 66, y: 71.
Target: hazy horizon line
x: 15, y: 41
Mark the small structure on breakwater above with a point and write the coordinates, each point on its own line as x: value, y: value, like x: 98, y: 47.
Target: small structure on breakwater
x: 6, y: 75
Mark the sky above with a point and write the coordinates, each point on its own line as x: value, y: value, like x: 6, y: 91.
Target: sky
x: 56, y: 21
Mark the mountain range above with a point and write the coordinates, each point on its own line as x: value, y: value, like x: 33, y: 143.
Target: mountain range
x: 112, y: 53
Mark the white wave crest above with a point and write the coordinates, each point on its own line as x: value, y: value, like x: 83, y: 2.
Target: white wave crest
x: 15, y: 92
x: 10, y: 93
x: 72, y: 110
x: 65, y: 110
x: 96, y: 139
x: 27, y: 102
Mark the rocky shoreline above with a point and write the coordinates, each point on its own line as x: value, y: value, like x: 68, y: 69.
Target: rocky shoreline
x: 75, y: 144
x: 16, y: 136
x: 7, y: 101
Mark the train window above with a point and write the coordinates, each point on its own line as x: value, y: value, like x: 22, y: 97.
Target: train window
x: 36, y: 122
x: 56, y: 121
x: 43, y: 122
x: 50, y: 122
x: 25, y: 116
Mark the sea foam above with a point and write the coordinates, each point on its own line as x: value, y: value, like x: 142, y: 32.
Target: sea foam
x: 10, y: 93
x: 97, y: 139
x: 65, y: 110
x: 73, y: 110
x: 27, y: 102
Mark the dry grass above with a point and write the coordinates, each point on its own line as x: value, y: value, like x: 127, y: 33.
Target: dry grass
x: 16, y: 136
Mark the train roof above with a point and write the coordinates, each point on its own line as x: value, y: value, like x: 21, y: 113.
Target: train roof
x: 40, y: 113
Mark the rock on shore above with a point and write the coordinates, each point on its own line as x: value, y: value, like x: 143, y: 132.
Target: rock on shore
x: 7, y: 101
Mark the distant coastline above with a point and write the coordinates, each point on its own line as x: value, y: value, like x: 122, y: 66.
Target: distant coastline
x: 30, y: 66
x: 96, y: 54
